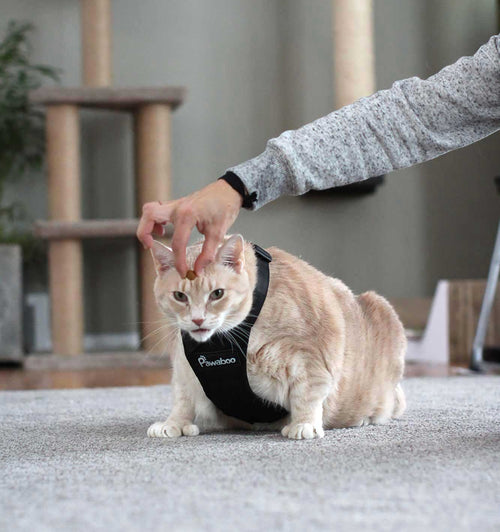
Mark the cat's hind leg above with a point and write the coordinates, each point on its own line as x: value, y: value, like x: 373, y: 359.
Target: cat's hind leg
x: 383, y: 412
x: 392, y: 406
x: 399, y: 402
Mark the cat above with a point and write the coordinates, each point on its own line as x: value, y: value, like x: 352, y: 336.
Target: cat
x: 331, y: 358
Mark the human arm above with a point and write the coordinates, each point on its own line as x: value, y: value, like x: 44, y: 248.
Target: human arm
x: 414, y: 121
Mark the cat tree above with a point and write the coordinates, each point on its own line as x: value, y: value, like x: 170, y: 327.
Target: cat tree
x: 353, y: 50
x: 151, y: 108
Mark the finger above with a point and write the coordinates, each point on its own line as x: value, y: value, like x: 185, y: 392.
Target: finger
x: 144, y: 231
x: 182, y: 231
x: 212, y: 241
x: 152, y: 213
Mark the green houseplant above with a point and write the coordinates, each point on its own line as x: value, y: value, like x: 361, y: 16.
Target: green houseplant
x: 21, y: 153
x: 21, y: 125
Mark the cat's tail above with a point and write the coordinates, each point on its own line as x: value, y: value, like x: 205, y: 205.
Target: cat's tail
x: 399, y: 402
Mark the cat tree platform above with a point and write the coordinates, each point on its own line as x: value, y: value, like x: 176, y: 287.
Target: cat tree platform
x: 115, y: 228
x: 111, y: 98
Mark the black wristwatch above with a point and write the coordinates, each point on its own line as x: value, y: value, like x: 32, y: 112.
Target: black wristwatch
x: 237, y: 184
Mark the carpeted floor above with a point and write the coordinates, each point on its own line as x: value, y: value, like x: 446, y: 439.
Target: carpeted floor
x: 79, y: 460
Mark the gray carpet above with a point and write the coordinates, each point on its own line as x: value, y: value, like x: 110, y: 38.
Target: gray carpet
x: 80, y: 460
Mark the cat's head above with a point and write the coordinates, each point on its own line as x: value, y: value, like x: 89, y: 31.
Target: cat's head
x: 217, y: 300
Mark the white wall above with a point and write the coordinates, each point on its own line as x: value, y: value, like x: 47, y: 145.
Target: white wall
x: 253, y: 69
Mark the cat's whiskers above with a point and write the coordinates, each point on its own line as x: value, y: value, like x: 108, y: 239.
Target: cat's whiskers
x: 240, y: 334
x: 155, y: 331
x: 166, y: 339
x: 234, y: 333
x: 233, y: 340
x: 152, y: 322
x: 235, y: 325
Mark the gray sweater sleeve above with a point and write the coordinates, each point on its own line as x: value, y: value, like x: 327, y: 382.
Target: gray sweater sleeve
x: 414, y: 121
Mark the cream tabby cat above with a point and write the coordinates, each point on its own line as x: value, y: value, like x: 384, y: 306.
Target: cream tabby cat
x: 330, y: 358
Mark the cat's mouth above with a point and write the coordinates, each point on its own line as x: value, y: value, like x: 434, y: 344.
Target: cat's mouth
x: 201, y: 335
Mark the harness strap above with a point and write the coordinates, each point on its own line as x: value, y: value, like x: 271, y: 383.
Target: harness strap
x: 220, y: 364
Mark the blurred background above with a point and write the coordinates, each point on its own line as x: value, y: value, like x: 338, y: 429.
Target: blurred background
x: 253, y: 69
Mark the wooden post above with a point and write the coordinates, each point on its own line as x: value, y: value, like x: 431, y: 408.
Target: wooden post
x: 353, y: 50
x: 465, y: 298
x: 96, y: 42
x: 65, y: 256
x: 152, y: 136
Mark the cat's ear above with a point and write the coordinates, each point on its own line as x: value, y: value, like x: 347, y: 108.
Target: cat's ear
x: 231, y: 253
x: 163, y: 257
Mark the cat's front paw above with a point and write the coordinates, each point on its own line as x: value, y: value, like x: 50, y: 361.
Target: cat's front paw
x: 167, y: 429
x: 302, y: 431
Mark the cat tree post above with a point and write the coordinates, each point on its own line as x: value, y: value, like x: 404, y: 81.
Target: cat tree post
x: 151, y: 107
x: 353, y: 50
x: 152, y: 136
x: 96, y: 42
x: 63, y: 161
x: 65, y: 255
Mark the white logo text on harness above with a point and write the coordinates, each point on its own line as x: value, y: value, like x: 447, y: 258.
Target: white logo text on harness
x: 204, y: 363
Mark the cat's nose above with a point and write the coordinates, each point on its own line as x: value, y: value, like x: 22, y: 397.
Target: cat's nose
x: 198, y: 322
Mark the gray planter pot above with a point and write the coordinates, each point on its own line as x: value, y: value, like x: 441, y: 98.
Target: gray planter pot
x: 11, y: 329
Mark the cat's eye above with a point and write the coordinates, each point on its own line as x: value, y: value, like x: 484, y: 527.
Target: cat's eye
x: 180, y: 296
x: 216, y: 294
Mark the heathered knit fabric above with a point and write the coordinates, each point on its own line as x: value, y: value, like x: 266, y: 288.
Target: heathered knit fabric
x: 414, y: 121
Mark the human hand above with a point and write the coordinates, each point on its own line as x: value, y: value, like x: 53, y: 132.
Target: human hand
x: 212, y: 209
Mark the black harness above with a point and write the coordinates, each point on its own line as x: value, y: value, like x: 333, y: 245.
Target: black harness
x: 221, y: 364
